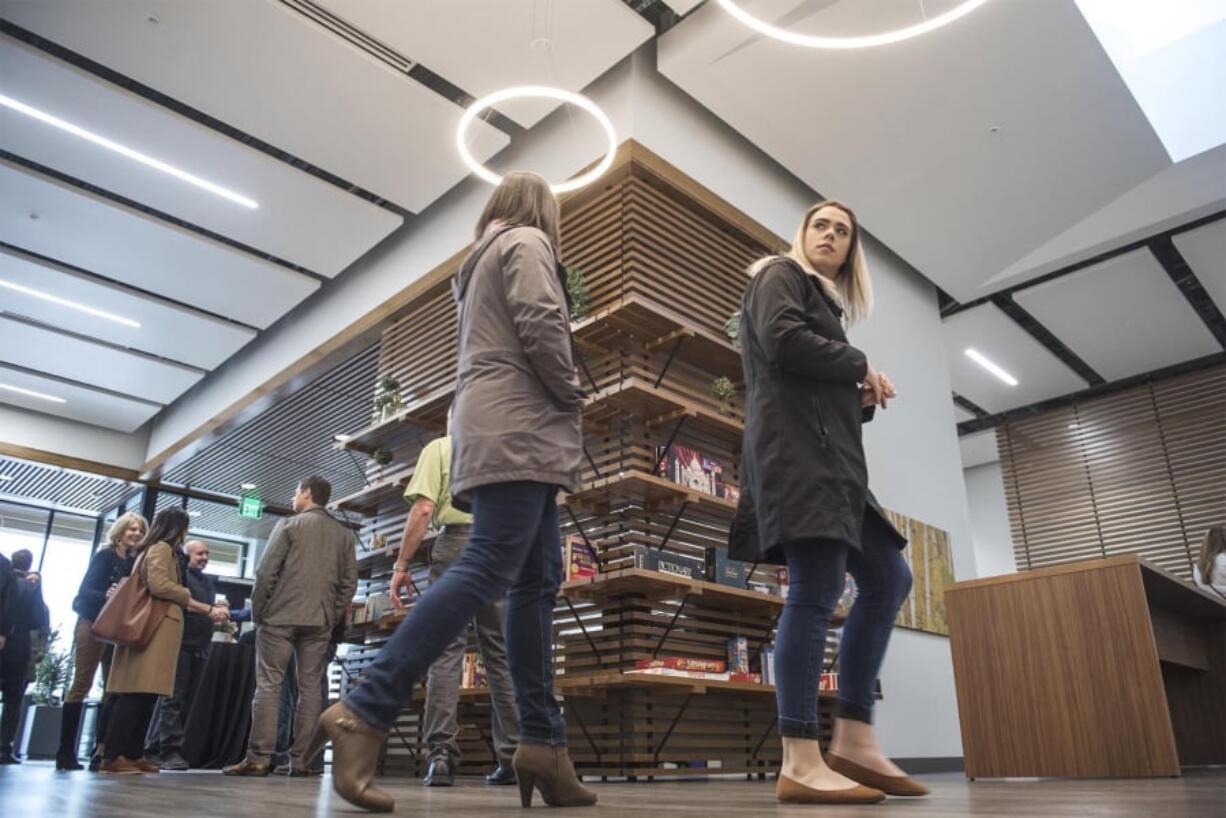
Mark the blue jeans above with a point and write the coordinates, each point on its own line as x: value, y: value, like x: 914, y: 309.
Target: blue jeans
x: 815, y: 573
x: 515, y: 545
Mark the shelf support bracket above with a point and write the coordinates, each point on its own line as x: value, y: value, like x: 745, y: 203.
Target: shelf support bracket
x: 668, y: 447
x: 583, y: 628
x: 676, y: 720
x: 673, y: 525
x: 671, y: 624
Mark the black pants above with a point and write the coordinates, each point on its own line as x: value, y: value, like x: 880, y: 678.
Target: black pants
x: 165, y: 735
x: 14, y: 670
x: 129, y: 721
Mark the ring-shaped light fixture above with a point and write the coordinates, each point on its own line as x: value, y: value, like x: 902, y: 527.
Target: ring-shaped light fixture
x: 519, y: 92
x: 865, y: 41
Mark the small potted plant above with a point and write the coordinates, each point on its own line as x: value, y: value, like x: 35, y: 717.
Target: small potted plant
x: 52, y: 671
x: 576, y: 290
x: 732, y: 329
x: 387, y: 400
x: 724, y: 390
x: 382, y: 457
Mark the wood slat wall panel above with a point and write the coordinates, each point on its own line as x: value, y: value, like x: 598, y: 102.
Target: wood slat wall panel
x: 1141, y: 471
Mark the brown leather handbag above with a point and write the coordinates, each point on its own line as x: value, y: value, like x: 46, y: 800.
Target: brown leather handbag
x: 130, y: 617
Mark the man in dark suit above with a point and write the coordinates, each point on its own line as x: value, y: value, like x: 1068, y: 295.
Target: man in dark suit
x: 26, y: 613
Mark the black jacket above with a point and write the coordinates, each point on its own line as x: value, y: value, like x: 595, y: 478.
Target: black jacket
x: 28, y: 613
x: 8, y: 599
x: 803, y: 473
x: 105, y: 569
x: 197, y: 627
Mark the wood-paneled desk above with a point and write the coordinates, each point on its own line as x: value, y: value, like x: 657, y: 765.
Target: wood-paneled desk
x: 1107, y: 668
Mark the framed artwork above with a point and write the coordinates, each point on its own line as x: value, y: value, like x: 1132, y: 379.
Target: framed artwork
x: 932, y: 567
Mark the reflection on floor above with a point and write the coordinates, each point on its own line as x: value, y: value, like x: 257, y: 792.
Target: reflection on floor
x: 35, y: 789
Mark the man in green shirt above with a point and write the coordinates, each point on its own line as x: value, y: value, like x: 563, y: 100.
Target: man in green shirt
x: 429, y: 492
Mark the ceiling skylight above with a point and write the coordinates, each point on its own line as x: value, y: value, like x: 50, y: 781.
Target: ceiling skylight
x: 1172, y: 57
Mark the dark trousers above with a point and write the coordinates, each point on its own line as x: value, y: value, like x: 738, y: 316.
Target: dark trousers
x: 129, y: 722
x: 515, y: 545
x: 165, y: 735
x: 14, y: 677
x: 816, y: 571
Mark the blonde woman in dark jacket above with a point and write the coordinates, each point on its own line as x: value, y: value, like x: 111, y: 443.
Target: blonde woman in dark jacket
x: 517, y: 440
x: 806, y: 502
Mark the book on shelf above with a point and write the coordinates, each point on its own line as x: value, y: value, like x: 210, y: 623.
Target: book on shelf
x: 724, y: 570
x: 683, y: 663
x: 681, y: 674
x: 829, y: 683
x: 666, y: 562
x: 692, y: 469
x: 371, y: 610
x: 738, y: 654
x: 768, y: 664
x: 751, y: 678
x: 473, y: 674
x: 578, y: 558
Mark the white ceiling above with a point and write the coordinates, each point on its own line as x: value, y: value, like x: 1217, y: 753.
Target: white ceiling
x: 301, y: 219
x: 484, y: 46
x: 1122, y: 317
x: 80, y: 403
x: 173, y: 332
x: 901, y: 132
x: 1040, y: 374
x: 128, y: 246
x: 1205, y: 251
x: 270, y: 72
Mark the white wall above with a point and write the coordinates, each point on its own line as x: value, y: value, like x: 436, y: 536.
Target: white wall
x: 985, y: 495
x: 912, y: 448
x: 34, y: 430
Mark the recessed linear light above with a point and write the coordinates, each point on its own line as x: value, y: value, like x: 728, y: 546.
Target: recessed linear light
x: 978, y: 358
x: 247, y: 486
x: 193, y: 514
x: 122, y: 150
x: 342, y: 438
x: 64, y: 302
x: 31, y: 393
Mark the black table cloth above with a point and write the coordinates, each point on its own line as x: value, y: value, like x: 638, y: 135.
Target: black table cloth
x: 217, y: 726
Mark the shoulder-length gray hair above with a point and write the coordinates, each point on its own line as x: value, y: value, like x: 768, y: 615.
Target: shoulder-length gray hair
x: 851, y: 287
x: 120, y: 527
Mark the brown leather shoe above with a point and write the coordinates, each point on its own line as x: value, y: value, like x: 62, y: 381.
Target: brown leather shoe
x: 356, y: 746
x: 791, y: 791
x: 147, y: 766
x: 120, y: 766
x: 890, y: 785
x: 550, y: 770
x: 248, y: 769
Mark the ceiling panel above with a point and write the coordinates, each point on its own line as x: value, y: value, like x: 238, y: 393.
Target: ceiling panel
x: 1122, y: 317
x: 1205, y: 251
x: 125, y: 245
x: 80, y: 403
x: 484, y: 46
x: 903, y: 133
x: 59, y: 487
x: 166, y: 330
x: 89, y: 362
x: 1040, y: 374
x: 268, y: 71
x: 301, y: 218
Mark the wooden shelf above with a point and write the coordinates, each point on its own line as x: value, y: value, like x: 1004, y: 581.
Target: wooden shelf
x: 596, y: 683
x: 659, y: 329
x: 466, y: 694
x: 658, y: 585
x: 367, y: 501
x: 653, y: 492
x: 661, y: 408
x: 427, y: 416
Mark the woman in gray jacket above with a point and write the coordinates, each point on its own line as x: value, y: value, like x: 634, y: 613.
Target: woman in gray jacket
x: 517, y: 441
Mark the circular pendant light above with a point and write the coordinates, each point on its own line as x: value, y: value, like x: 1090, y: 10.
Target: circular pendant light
x: 865, y: 41
x: 522, y: 91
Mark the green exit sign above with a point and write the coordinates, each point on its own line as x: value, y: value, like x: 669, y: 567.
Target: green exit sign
x: 251, y: 506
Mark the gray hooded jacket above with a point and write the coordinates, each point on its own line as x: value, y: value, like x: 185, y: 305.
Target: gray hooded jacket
x: 518, y: 406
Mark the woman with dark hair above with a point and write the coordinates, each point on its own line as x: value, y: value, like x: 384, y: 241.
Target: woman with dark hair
x: 140, y: 674
x: 805, y: 502
x: 517, y: 440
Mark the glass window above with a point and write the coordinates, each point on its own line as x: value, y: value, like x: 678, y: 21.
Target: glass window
x: 21, y: 527
x: 64, y: 563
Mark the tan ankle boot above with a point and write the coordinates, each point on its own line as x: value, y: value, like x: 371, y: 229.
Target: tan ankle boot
x: 355, y: 754
x: 550, y: 770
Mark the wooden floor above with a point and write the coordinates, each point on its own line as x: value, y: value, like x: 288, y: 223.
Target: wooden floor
x: 35, y: 789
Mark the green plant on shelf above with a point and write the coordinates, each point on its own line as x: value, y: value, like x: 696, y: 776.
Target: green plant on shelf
x: 576, y: 291
x: 732, y: 328
x: 382, y: 456
x: 388, y: 400
x: 724, y: 391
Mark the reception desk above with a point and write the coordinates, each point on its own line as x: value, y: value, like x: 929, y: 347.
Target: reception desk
x: 1107, y: 668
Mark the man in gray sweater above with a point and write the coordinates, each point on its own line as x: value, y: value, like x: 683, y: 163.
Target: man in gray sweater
x: 305, y: 582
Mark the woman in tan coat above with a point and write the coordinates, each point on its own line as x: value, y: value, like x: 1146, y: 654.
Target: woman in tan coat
x: 140, y: 675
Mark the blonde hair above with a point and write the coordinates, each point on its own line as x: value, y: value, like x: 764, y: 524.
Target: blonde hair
x: 523, y: 198
x: 121, y: 526
x: 851, y: 289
